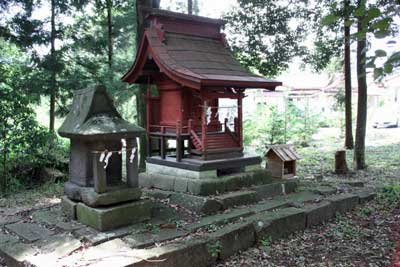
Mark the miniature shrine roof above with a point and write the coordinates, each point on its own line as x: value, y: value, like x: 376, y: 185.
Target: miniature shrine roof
x: 94, y: 114
x: 192, y: 51
x: 284, y: 152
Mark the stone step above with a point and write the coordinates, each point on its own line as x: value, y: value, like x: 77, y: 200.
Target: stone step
x: 221, y: 235
x: 238, y: 198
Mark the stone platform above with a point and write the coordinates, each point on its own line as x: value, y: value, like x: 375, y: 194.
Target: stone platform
x: 173, y: 236
x: 204, y: 178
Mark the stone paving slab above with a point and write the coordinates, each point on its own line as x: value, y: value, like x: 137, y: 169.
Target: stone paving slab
x: 192, y: 252
x: 219, y: 219
x: 147, y: 239
x: 96, y: 237
x: 17, y: 253
x: 8, y: 238
x: 29, y: 231
x: 304, y: 196
x: 268, y: 205
x: 114, y: 253
x: 9, y: 219
x: 53, y: 249
x: 134, y: 245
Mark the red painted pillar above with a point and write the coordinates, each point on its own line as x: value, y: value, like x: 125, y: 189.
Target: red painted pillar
x: 148, y: 108
x: 204, y: 126
x: 240, y: 121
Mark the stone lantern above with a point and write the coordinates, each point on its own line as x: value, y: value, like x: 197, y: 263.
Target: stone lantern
x: 96, y: 193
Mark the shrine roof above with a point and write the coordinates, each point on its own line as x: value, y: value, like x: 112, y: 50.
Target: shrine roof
x: 284, y: 152
x: 193, y: 52
x: 93, y: 114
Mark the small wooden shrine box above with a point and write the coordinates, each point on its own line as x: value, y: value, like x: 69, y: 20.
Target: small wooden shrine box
x: 282, y: 161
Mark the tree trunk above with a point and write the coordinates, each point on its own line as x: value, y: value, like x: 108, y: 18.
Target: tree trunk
x: 141, y: 94
x: 109, y: 33
x: 347, y: 79
x: 340, y: 162
x: 359, y: 149
x: 53, y: 81
x: 3, y: 180
x: 190, y: 7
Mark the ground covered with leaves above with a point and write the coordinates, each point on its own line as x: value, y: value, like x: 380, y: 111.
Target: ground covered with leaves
x: 364, y: 237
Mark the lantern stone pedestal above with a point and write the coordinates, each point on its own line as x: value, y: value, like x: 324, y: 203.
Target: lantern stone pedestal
x: 96, y: 193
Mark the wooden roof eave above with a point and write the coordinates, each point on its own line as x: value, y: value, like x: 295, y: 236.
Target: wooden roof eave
x: 136, y: 70
x: 270, y: 85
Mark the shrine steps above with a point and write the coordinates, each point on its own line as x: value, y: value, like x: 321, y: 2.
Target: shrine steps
x: 215, y: 142
x: 200, y: 242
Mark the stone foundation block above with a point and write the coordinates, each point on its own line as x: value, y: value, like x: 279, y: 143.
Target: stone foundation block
x: 93, y: 199
x: 344, y: 202
x: 277, y: 224
x: 232, y: 238
x: 113, y: 217
x: 68, y: 207
x: 365, y: 196
x: 237, y: 199
x: 206, y: 187
x: 318, y: 213
x: 268, y: 190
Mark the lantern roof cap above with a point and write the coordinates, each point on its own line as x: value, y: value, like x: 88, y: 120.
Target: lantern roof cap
x: 93, y: 115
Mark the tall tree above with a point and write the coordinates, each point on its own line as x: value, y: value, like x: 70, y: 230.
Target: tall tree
x: 29, y: 33
x: 359, y: 149
x: 109, y: 5
x: 349, y: 144
x: 141, y: 6
x: 190, y: 7
x: 53, y: 70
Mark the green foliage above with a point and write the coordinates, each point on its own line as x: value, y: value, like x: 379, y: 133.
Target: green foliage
x: 266, y: 243
x: 379, y: 20
x: 214, y: 248
x: 268, y: 125
x: 25, y: 146
x: 269, y: 37
x: 345, y: 228
x: 390, y: 196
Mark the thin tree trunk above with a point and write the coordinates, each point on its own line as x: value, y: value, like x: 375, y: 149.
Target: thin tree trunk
x: 359, y: 149
x: 141, y: 94
x: 190, y: 7
x: 347, y: 80
x: 3, y: 181
x: 110, y: 33
x: 53, y: 81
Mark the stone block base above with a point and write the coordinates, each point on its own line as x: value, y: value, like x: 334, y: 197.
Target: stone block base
x: 68, y: 207
x: 107, y: 218
x: 204, y: 186
x: 114, y: 195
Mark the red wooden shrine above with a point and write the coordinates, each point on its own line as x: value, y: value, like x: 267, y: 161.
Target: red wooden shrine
x: 188, y: 67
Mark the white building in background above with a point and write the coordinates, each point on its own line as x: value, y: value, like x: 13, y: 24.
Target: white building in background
x: 320, y: 96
